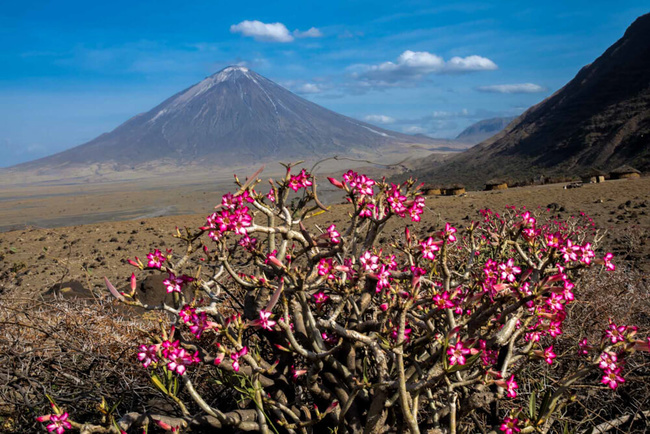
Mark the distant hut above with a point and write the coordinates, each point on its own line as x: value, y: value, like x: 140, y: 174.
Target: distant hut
x: 431, y: 190
x: 593, y: 176
x: 496, y: 184
x: 453, y: 190
x: 625, y: 172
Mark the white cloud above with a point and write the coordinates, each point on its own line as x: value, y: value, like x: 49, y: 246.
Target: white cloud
x: 309, y: 88
x: 267, y: 32
x: 470, y: 63
x: 512, y: 88
x: 441, y: 114
x: 311, y: 33
x: 413, y: 65
x: 414, y: 129
x: 379, y: 119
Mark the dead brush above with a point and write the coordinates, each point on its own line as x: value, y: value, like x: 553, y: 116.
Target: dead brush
x: 76, y: 352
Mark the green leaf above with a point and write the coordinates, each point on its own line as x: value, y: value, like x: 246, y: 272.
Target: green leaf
x: 532, y: 405
x: 155, y: 379
x: 546, y: 403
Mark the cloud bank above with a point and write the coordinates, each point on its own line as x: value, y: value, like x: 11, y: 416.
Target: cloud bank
x: 272, y: 32
x: 512, y: 88
x: 311, y: 33
x: 379, y: 119
x: 413, y: 65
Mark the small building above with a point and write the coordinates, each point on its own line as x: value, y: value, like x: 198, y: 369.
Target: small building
x: 431, y: 190
x: 453, y: 190
x: 593, y: 176
x: 625, y: 172
x: 496, y: 184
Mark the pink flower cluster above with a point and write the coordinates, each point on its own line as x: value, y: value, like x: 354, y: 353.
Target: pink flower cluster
x: 234, y: 217
x: 360, y: 184
x: 612, y: 369
x: 400, y: 206
x: 175, y: 283
x: 197, y: 323
x: 178, y: 358
x: 301, y: 180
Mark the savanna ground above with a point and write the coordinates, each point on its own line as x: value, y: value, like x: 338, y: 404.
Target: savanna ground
x: 41, y: 264
x: 33, y: 259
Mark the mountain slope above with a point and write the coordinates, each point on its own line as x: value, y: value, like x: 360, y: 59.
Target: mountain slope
x: 599, y: 119
x: 482, y: 130
x: 235, y: 116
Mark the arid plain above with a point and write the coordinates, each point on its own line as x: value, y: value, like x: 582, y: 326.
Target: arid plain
x: 82, y: 233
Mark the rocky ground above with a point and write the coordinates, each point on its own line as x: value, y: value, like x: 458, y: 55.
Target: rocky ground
x: 76, y: 258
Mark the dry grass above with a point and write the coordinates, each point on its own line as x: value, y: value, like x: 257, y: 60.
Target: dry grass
x: 75, y: 351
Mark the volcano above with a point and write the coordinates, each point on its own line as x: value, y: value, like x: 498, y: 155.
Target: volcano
x: 600, y: 119
x: 235, y: 116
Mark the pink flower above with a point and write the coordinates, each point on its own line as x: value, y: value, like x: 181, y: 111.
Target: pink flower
x: 416, y: 209
x: 528, y: 219
x: 320, y: 297
x: 361, y: 184
x: 156, y: 259
x: 58, y: 422
x: 334, y: 235
x: 569, y: 251
x: 174, y: 284
x: 383, y: 278
x: 510, y: 425
x: 509, y: 270
x: 148, y: 355
x: 548, y: 355
x: 200, y: 323
x: 554, y: 240
x: 586, y: 254
x: 449, y: 233
x: 511, y: 387
x: 248, y: 243
x: 299, y: 181
x: 608, y: 360
x: 429, y: 247
x: 325, y: 268
x: 607, y: 259
x: 615, y: 333
x: 612, y: 378
x: 457, y: 354
x: 442, y: 301
x: 369, y: 262
x: 554, y: 302
x: 264, y: 321
x: 179, y: 359
x: 396, y: 200
x: 235, y: 358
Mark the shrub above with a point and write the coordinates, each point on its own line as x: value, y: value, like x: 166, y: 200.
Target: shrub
x: 283, y: 325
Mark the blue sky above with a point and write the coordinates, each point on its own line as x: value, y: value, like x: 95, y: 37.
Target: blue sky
x: 71, y: 70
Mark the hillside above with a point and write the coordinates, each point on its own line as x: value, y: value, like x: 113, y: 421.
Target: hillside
x: 600, y: 119
x: 483, y: 130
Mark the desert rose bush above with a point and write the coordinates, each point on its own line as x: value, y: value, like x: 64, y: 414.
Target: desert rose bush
x: 281, y: 325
